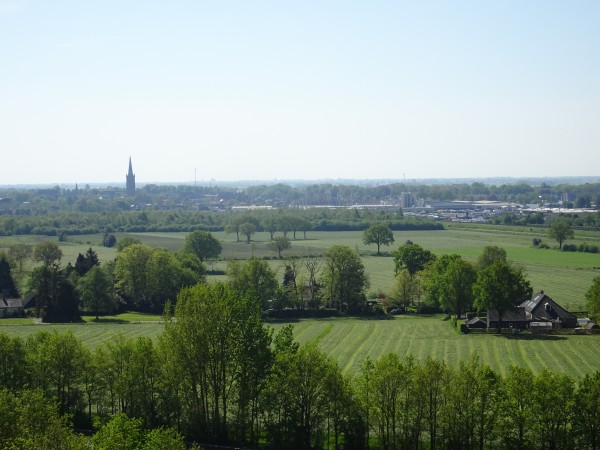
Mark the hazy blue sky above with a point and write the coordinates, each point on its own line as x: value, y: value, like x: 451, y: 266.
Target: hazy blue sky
x: 266, y: 90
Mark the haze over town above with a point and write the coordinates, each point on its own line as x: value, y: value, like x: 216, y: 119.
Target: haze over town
x: 341, y: 90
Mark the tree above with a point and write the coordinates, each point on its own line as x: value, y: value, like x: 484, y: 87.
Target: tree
x: 406, y: 289
x: 131, y: 274
x: 109, y: 240
x: 592, y: 297
x: 7, y: 285
x: 31, y: 421
x: 247, y: 229
x: 166, y: 276
x: 560, y: 230
x: 96, y: 291
x: 491, y: 254
x: 215, y: 343
x: 121, y: 433
x: 279, y: 244
x: 586, y: 420
x: 516, y: 420
x: 344, y: 278
x: 297, y: 396
x: 269, y: 224
x: 203, y: 244
x: 47, y: 252
x: 20, y: 253
x: 56, y: 298
x: 125, y: 242
x: 85, y: 262
x: 254, y: 278
x: 501, y: 287
x: 56, y: 362
x: 378, y: 234
x: 433, y: 277
x: 455, y: 288
x: 412, y: 256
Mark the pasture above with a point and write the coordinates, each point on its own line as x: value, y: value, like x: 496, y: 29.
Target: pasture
x: 350, y: 340
x: 565, y: 276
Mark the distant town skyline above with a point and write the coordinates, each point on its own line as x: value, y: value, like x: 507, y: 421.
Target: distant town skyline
x: 238, y: 90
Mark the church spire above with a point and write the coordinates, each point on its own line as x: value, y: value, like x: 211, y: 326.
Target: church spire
x: 130, y: 181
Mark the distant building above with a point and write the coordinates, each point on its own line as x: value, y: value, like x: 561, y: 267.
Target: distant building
x: 406, y: 200
x: 130, y: 181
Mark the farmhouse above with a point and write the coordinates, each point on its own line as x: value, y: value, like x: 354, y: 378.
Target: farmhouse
x: 15, y: 307
x: 540, y: 309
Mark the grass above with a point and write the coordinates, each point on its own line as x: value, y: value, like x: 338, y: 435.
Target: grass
x: 350, y: 340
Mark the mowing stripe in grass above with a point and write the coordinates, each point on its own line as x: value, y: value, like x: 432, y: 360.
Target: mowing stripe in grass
x: 558, y: 349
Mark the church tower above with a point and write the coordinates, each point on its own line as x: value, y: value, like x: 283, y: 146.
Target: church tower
x: 130, y: 181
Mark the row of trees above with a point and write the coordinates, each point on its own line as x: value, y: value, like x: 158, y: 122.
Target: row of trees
x: 218, y: 375
x: 286, y: 221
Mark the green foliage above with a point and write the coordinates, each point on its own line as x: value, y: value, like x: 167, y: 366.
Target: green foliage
x: 344, y: 278
x: 47, y: 252
x: 560, y: 230
x: 501, y: 287
x: 453, y: 287
x: 216, y: 345
x: 490, y: 255
x: 121, y: 433
x: 378, y: 234
x: 125, y: 242
x: 247, y: 229
x: 109, y: 240
x: 254, y: 278
x: 592, y: 297
x: 7, y: 285
x: 203, y: 244
x: 96, y: 291
x: 413, y: 257
x: 279, y: 244
x: 31, y: 421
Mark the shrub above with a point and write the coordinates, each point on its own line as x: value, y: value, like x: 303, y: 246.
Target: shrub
x: 544, y: 246
x: 569, y: 248
x: 536, y: 241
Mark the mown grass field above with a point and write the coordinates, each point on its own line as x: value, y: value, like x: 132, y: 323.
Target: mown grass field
x: 350, y: 340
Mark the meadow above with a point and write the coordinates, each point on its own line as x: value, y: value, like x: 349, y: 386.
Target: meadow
x: 350, y: 340
x: 564, y: 276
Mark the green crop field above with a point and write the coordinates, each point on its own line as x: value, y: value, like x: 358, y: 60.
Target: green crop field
x: 350, y: 340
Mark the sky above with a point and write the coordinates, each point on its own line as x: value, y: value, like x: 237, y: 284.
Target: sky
x: 286, y: 90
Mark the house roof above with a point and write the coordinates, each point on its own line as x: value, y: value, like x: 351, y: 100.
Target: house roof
x: 8, y: 303
x: 513, y: 315
x: 543, y: 308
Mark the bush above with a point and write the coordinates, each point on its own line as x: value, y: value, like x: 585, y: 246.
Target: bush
x: 109, y: 240
x: 544, y: 246
x: 569, y: 248
x: 536, y: 241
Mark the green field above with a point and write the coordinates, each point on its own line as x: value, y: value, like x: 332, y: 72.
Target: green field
x: 351, y: 340
x: 565, y: 276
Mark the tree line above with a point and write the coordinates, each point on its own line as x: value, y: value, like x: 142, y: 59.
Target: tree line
x: 64, y: 224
